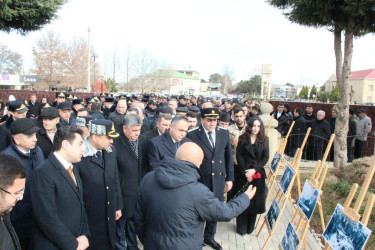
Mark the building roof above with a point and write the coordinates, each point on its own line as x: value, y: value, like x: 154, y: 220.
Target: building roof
x: 363, y: 74
x: 172, y: 74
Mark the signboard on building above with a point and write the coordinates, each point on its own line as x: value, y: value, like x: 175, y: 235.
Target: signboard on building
x: 30, y: 79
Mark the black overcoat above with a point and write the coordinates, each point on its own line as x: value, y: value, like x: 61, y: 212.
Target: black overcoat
x: 162, y: 146
x: 298, y: 132
x: 131, y: 170
x: 102, y: 196
x: 152, y: 133
x: 217, y: 165
x: 254, y: 156
x: 44, y: 142
x: 58, y: 206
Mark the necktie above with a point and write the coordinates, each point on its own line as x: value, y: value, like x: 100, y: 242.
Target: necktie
x: 99, y: 155
x: 135, y: 147
x: 177, y: 144
x: 211, y: 139
x: 71, y: 174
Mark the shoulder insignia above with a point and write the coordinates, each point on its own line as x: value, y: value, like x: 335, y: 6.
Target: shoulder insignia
x: 193, y: 129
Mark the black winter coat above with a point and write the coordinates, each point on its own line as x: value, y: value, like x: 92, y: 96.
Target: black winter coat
x: 102, y: 196
x: 298, y: 132
x: 320, y: 131
x: 254, y: 156
x: 131, y: 170
x: 22, y: 213
x: 283, y: 123
x: 44, y: 142
x: 173, y: 205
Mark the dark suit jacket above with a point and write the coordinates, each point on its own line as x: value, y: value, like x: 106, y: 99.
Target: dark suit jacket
x: 151, y: 134
x: 5, y: 138
x: 102, y: 196
x: 161, y: 147
x: 44, y: 142
x: 131, y: 170
x: 217, y: 165
x: 58, y: 206
x: 34, y: 109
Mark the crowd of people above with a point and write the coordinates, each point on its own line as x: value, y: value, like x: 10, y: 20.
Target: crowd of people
x: 101, y: 172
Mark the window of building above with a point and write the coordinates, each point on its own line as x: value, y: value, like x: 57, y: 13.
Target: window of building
x: 369, y: 88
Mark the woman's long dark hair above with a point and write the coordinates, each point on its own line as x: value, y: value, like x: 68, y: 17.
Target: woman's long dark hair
x: 261, y: 137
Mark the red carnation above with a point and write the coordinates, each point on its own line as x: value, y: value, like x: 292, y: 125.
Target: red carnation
x: 256, y: 176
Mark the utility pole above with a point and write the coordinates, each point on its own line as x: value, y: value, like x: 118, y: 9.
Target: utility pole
x: 88, y: 61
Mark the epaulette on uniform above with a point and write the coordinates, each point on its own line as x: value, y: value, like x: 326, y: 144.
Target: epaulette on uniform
x: 221, y: 128
x: 193, y: 129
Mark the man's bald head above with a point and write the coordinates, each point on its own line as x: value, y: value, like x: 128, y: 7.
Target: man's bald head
x: 191, y: 152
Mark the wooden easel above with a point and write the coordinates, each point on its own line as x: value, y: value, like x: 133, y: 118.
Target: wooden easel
x: 353, y: 213
x: 294, y: 165
x: 317, y: 180
x: 282, y: 203
x: 269, y: 126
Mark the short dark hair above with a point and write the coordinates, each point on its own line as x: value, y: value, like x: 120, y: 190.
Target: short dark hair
x: 255, y: 107
x: 95, y: 106
x: 10, y: 169
x: 82, y: 110
x: 178, y: 118
x: 65, y: 133
x: 281, y: 104
x: 167, y: 117
x: 237, y: 110
x: 133, y: 109
x: 299, y: 111
x: 191, y: 114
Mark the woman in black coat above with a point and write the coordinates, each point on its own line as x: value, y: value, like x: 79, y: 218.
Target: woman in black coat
x: 252, y: 154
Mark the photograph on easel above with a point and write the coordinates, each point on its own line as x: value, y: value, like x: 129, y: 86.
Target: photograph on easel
x: 308, y: 200
x: 290, y: 240
x: 275, y: 161
x: 273, y: 214
x: 342, y: 233
x: 286, y: 179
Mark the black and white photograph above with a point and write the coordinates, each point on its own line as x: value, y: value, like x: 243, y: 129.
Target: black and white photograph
x: 286, y: 179
x: 275, y: 162
x: 308, y: 200
x: 290, y: 240
x: 273, y: 214
x: 342, y: 233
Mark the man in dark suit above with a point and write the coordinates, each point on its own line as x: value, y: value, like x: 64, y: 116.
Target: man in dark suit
x: 50, y: 119
x: 162, y: 124
x: 57, y: 197
x: 132, y: 164
x: 282, y: 119
x: 65, y: 112
x: 217, y: 165
x: 12, y: 185
x: 34, y: 107
x: 169, y: 142
x: 100, y: 182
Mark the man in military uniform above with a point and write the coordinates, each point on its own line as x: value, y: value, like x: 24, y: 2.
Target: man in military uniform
x: 217, y: 165
x: 100, y: 183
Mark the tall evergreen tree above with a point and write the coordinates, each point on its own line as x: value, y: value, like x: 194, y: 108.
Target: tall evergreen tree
x: 348, y: 18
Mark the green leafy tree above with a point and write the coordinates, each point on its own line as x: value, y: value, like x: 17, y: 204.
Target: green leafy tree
x: 344, y: 18
x: 27, y: 15
x: 335, y: 94
x: 215, y: 78
x: 110, y: 84
x: 323, y: 96
x: 313, y: 92
x: 303, y: 94
x: 252, y: 86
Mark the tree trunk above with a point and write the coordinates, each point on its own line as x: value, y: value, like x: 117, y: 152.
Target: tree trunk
x: 343, y: 67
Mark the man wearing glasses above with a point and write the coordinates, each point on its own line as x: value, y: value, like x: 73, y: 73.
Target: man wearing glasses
x: 24, y: 149
x: 12, y: 184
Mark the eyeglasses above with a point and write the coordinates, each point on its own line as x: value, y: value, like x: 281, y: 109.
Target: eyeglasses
x: 18, y: 196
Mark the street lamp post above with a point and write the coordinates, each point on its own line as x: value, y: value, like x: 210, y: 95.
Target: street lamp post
x: 88, y: 61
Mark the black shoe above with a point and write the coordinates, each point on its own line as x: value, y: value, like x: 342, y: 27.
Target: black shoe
x: 241, y: 233
x: 213, y: 244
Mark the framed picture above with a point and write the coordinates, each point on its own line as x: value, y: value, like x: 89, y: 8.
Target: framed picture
x: 275, y: 162
x: 290, y: 240
x: 308, y: 200
x: 286, y: 179
x: 273, y: 214
x: 342, y: 233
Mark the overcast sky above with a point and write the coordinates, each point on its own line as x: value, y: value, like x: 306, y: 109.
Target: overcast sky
x: 205, y: 34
